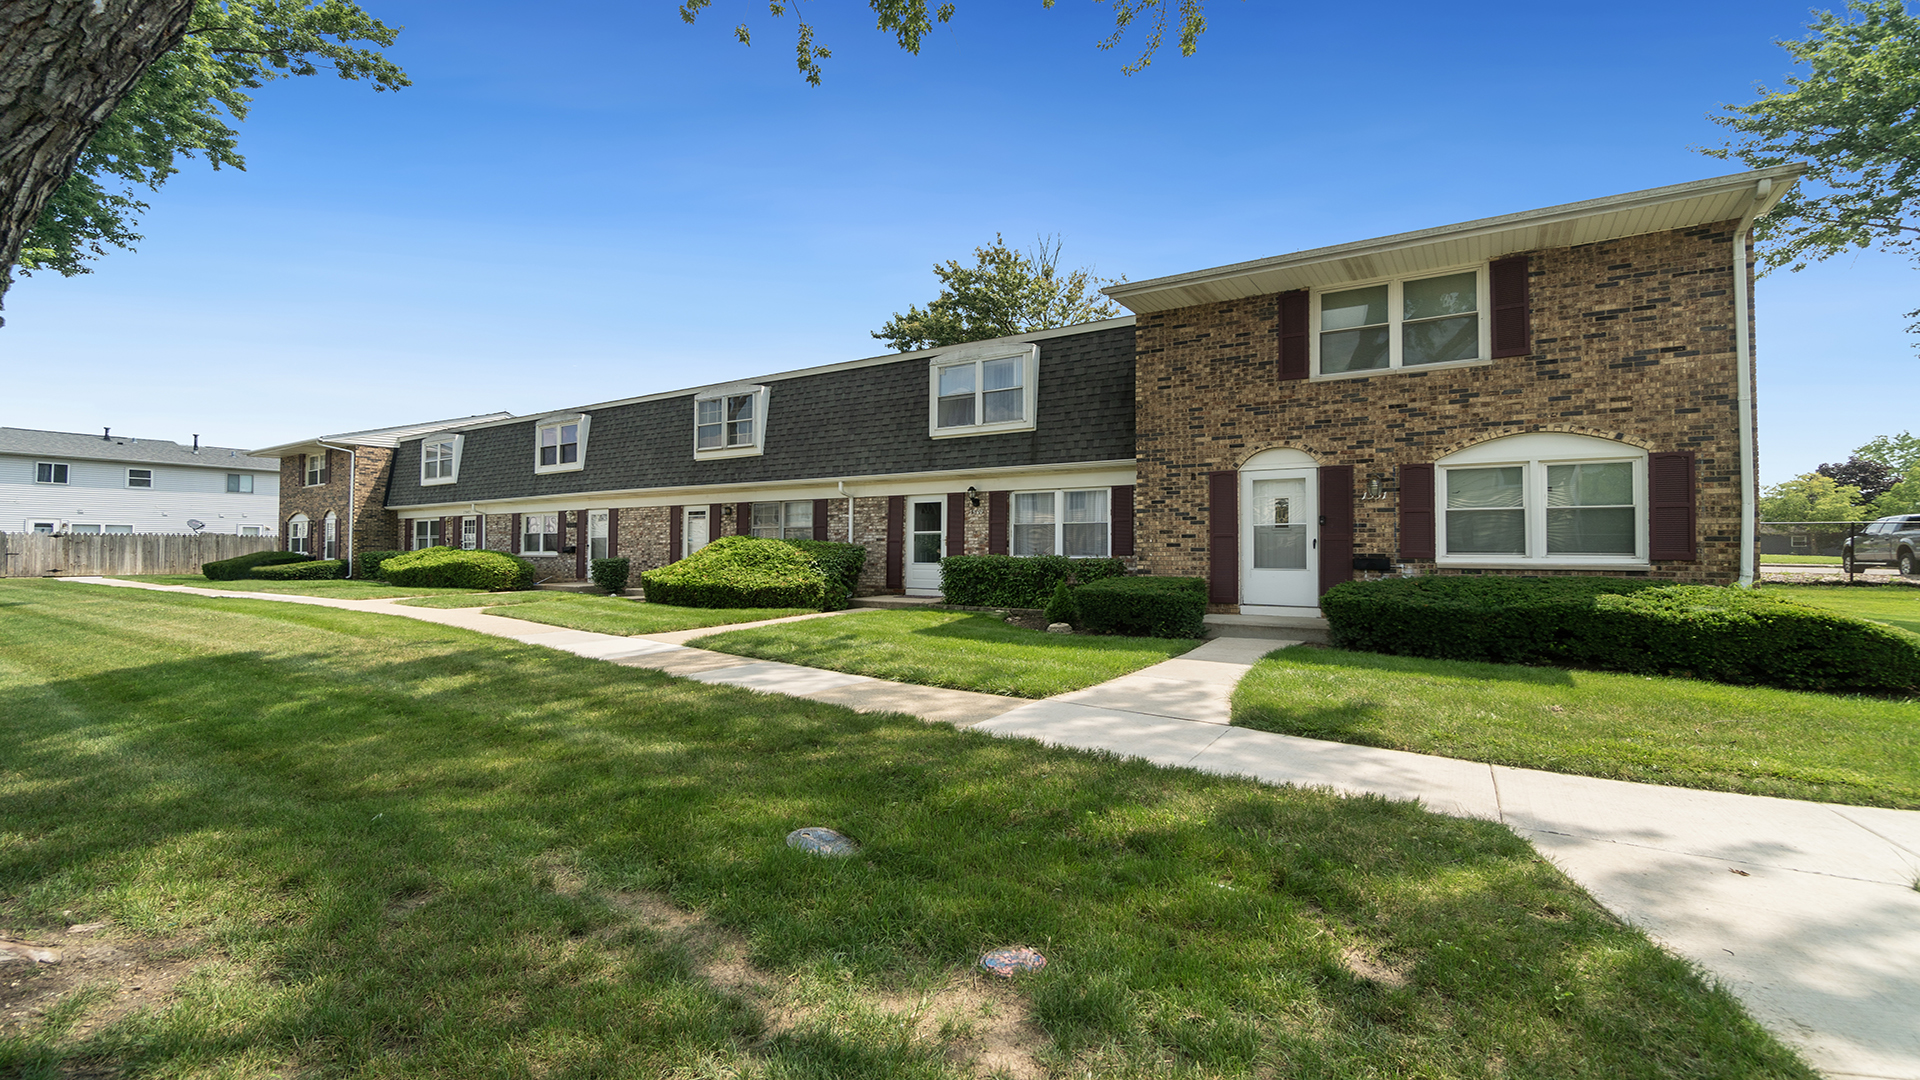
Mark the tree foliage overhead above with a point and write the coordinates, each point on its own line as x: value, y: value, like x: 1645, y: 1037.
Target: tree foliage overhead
x: 911, y: 20
x: 181, y: 107
x: 1873, y: 478
x: 1854, y: 119
x: 1811, y: 497
x: 1004, y: 292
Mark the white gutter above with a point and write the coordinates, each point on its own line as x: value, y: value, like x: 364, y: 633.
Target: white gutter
x: 353, y: 477
x: 1743, y: 381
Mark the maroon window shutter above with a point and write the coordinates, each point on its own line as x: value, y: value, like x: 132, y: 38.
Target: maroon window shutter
x: 326, y: 466
x: 820, y: 519
x: 1512, y: 324
x: 896, y: 541
x: 513, y: 544
x: 1416, y: 512
x: 303, y: 471
x: 1671, y: 529
x: 676, y: 532
x: 714, y: 511
x: 743, y: 519
x: 613, y: 532
x: 1223, y: 537
x: 1293, y: 340
x: 1120, y: 512
x: 1336, y: 536
x: 997, y: 515
x: 957, y: 523
x: 286, y: 535
x: 580, y: 544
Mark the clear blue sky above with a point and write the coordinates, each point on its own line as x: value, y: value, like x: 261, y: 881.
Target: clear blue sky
x: 579, y: 203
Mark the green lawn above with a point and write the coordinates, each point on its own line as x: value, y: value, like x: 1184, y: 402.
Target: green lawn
x: 338, y: 590
x: 947, y: 648
x: 1800, y: 560
x: 375, y: 848
x: 603, y: 614
x: 1627, y: 727
x: 1895, y: 605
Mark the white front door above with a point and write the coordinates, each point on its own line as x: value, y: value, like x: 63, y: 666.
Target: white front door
x: 596, y: 534
x: 926, y: 542
x: 695, y: 535
x: 1279, y: 542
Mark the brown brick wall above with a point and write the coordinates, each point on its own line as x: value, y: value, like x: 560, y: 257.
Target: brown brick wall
x: 1633, y: 341
x: 374, y: 528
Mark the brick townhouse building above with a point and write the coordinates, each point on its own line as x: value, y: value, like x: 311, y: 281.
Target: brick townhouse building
x: 1560, y: 391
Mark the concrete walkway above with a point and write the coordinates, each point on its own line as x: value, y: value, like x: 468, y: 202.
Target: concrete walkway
x: 1807, y: 911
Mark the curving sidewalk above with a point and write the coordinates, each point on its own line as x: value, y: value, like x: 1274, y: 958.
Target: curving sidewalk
x: 1808, y: 911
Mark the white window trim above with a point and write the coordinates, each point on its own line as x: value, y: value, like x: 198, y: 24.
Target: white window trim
x: 580, y: 460
x: 759, y: 444
x: 300, y: 531
x: 459, y: 444
x: 307, y: 475
x: 51, y: 465
x: 558, y: 531
x: 1028, y: 352
x: 1549, y: 449
x: 429, y: 525
x: 1060, y: 519
x: 1483, y: 296
x: 469, y: 522
x: 148, y: 486
x: 248, y: 484
x: 786, y: 526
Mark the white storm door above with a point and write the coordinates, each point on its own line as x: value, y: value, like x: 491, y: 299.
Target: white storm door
x: 1279, y: 542
x: 926, y: 543
x: 695, y: 534
x: 596, y: 534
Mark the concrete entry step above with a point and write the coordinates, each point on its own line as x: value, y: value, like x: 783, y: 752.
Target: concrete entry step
x: 572, y: 586
x: 894, y: 601
x: 1279, y: 627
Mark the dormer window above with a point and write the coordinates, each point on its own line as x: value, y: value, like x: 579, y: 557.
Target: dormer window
x: 560, y: 445
x: 982, y: 391
x: 440, y: 459
x: 729, y: 421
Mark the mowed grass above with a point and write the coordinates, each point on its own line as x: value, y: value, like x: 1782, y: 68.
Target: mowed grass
x: 954, y: 649
x: 603, y: 614
x: 384, y: 848
x: 1860, y: 750
x: 1895, y: 605
x: 338, y: 590
x: 1800, y: 560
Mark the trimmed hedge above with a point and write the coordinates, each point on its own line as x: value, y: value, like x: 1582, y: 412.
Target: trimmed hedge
x: 841, y: 562
x: 238, y: 567
x: 1707, y: 632
x: 1163, y: 607
x: 741, y: 572
x: 316, y: 570
x: 1017, y: 581
x: 1061, y: 607
x: 451, y: 568
x: 610, y: 574
x: 368, y: 563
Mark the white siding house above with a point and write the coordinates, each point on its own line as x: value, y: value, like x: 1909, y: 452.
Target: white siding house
x: 61, y: 482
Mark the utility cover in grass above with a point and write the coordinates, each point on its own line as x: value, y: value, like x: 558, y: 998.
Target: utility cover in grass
x: 820, y: 841
x: 1010, y: 961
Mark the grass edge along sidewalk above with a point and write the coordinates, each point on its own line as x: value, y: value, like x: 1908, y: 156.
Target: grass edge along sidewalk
x: 365, y: 845
x: 602, y: 614
x: 1655, y: 730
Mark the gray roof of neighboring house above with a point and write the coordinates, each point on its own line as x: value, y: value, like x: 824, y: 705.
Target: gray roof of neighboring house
x: 72, y: 445
x: 387, y: 436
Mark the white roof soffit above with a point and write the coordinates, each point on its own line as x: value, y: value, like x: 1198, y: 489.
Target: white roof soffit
x: 1635, y: 213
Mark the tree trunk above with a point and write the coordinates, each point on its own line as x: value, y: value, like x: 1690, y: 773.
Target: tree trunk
x: 64, y: 65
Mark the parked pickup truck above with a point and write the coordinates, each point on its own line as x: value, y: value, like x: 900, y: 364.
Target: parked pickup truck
x: 1890, y: 541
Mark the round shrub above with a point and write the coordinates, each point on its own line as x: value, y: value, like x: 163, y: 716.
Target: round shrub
x: 1017, y: 581
x: 312, y: 570
x: 841, y: 562
x: 238, y: 567
x: 1164, y: 607
x: 452, y: 568
x: 610, y: 574
x: 741, y: 572
x: 368, y: 563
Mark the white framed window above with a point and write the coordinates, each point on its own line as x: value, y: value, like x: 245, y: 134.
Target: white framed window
x: 139, y: 478
x: 560, y: 444
x: 297, y: 538
x: 46, y: 527
x: 1402, y: 323
x: 315, y: 468
x: 87, y: 529
x: 539, y: 534
x: 729, y: 421
x: 469, y: 533
x: 426, y: 533
x: 1071, y: 523
x: 440, y: 457
x: 1543, y: 499
x: 330, y: 537
x: 983, y: 391
x: 117, y: 530
x: 784, y: 520
x: 252, y: 530
x: 49, y: 472
x: 240, y: 483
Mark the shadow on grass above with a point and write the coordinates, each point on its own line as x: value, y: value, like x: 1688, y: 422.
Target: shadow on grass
x: 1310, y: 656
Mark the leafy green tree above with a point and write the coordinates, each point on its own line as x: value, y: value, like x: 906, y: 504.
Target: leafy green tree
x: 1812, y: 497
x: 1900, y: 453
x: 1901, y: 498
x: 1854, y: 119
x: 1004, y: 292
x: 180, y: 108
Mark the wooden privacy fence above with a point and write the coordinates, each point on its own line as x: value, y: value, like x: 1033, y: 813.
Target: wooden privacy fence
x: 44, y: 555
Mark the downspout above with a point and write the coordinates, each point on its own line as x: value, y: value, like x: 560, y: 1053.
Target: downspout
x: 353, y: 477
x: 842, y: 485
x: 1743, y: 348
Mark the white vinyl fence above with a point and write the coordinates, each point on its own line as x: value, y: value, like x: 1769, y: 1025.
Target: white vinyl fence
x: 44, y: 555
